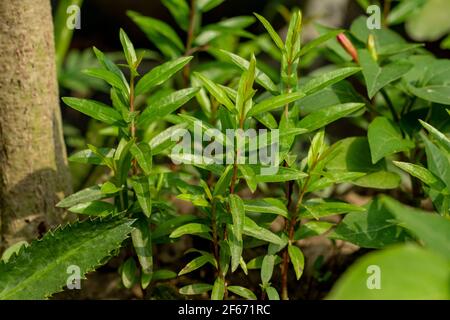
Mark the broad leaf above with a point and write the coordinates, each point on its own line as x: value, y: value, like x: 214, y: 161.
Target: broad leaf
x: 41, y: 268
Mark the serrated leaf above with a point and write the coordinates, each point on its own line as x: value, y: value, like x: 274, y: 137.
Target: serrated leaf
x: 38, y: 272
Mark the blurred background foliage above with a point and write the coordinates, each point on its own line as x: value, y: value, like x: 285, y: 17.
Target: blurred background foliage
x: 416, y: 20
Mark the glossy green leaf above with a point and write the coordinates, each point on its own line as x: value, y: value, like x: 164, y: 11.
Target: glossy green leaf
x: 243, y: 292
x: 215, y: 91
x: 128, y: 273
x: 195, y: 264
x: 143, y: 155
x: 318, y: 209
x: 253, y: 230
x: 141, y: 187
x: 128, y: 49
x: 321, y: 118
x: 374, y: 228
x: 273, y: 34
x: 218, y: 289
x: 297, y: 260
x: 197, y: 288
x: 180, y: 11
x: 385, y: 139
x: 82, y: 196
x: 272, y: 293
x: 266, y: 205
x: 142, y: 243
x: 431, y: 228
x: 262, y: 78
x: 377, y: 77
x: 422, y: 174
x: 94, y: 208
x: 95, y: 110
x: 190, y: 228
x: 160, y: 74
x: 166, y: 105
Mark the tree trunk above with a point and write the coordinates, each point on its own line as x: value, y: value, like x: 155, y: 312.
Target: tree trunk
x: 33, y: 164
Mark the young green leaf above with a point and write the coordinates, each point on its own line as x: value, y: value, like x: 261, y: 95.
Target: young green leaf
x: 195, y: 264
x: 377, y: 77
x: 321, y: 118
x: 143, y: 155
x: 160, y: 74
x: 297, y: 260
x: 180, y: 12
x: 94, y: 208
x: 273, y: 34
x: 253, y: 230
x: 82, y: 196
x: 165, y: 105
x: 190, y: 228
x: 128, y: 273
x: 237, y: 214
x: 422, y: 174
x: 141, y: 187
x: 95, y: 110
x: 272, y: 293
x: 128, y: 49
x: 218, y: 289
x: 197, y: 288
x: 215, y: 91
x: 243, y: 292
x: 262, y: 78
x: 142, y: 243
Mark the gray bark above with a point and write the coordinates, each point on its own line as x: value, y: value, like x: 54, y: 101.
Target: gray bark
x: 33, y: 165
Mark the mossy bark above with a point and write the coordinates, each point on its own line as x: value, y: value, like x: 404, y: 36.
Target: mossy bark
x: 33, y: 163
